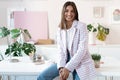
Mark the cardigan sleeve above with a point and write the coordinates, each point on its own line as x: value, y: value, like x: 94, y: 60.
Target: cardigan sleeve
x: 82, y: 48
x: 61, y: 62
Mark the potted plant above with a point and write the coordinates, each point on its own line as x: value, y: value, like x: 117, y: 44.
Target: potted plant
x: 17, y: 47
x: 96, y: 58
x: 102, y: 32
x: 91, y: 30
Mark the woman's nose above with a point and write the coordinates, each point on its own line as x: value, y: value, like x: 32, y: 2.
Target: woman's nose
x: 69, y: 13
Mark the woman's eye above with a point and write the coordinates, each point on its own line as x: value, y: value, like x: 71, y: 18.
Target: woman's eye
x: 69, y: 11
x: 66, y: 10
x: 72, y: 11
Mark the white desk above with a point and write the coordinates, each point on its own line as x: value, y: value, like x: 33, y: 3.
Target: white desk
x: 110, y: 68
x: 23, y: 68
x: 26, y: 67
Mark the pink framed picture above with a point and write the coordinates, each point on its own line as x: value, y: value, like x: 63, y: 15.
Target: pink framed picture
x: 115, y: 15
x: 98, y: 12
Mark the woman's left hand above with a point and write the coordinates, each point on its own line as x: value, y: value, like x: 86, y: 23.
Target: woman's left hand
x: 65, y: 73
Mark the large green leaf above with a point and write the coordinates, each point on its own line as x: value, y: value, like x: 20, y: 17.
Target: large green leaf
x: 4, y: 32
x: 28, y: 48
x: 15, y: 33
x: 14, y: 49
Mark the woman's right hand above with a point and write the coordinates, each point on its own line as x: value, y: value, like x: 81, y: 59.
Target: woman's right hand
x: 60, y: 74
x: 63, y: 73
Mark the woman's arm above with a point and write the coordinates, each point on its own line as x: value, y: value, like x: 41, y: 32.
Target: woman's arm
x: 61, y: 61
x: 82, y: 48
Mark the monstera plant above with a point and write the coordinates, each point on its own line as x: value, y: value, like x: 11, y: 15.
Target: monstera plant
x: 17, y: 48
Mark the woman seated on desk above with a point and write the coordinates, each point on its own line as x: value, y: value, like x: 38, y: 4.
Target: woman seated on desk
x: 72, y: 39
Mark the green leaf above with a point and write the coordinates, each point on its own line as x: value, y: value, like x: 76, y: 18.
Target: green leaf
x: 91, y: 28
x: 14, y: 48
x: 27, y: 33
x: 94, y: 30
x: 4, y: 32
x: 15, y: 33
x: 28, y: 48
x: 96, y: 56
x: 106, y: 31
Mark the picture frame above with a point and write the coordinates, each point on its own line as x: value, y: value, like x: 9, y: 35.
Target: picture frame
x: 98, y: 12
x: 115, y: 15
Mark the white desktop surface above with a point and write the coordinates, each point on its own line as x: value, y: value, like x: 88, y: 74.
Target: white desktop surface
x: 24, y: 67
x: 110, y: 67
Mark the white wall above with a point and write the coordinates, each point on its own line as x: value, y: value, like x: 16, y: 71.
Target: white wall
x: 85, y: 9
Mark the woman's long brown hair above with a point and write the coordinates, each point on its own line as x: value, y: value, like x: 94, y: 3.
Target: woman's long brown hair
x: 68, y: 3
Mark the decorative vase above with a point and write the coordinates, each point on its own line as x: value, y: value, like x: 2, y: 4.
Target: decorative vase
x: 91, y: 38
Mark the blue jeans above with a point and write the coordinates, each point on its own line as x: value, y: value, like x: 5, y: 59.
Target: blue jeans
x: 75, y: 75
x: 51, y: 72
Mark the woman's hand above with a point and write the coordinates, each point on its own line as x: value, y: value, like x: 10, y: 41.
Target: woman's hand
x: 64, y: 73
x: 60, y: 73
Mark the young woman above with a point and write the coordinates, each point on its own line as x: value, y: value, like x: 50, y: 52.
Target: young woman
x: 72, y: 40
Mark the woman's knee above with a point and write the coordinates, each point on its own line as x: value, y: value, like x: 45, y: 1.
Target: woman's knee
x: 41, y: 76
x: 49, y: 73
x: 44, y: 74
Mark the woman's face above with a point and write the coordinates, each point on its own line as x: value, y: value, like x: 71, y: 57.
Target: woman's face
x: 69, y: 14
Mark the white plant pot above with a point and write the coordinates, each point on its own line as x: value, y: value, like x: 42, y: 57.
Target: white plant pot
x: 97, y: 63
x: 100, y: 42
x: 91, y: 38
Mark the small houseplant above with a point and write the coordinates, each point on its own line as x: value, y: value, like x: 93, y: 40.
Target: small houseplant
x: 16, y: 48
x: 102, y: 32
x: 96, y: 58
x: 91, y: 30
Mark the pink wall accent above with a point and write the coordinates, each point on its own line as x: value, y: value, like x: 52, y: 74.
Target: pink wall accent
x: 36, y: 22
